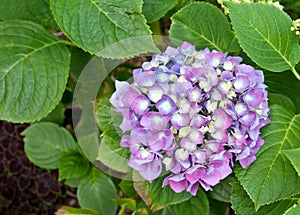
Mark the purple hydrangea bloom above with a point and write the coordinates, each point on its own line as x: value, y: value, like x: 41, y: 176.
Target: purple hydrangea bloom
x: 192, y: 113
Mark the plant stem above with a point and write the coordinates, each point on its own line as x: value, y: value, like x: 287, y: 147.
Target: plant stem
x: 295, y: 73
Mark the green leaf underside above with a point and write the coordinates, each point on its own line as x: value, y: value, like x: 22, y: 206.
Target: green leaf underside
x: 46, y: 142
x: 272, y: 177
x: 72, y: 165
x: 154, y: 195
x: 110, y: 152
x: 294, y: 156
x: 97, y: 192
x: 242, y: 204
x: 105, y: 28
x: 284, y: 84
x: 33, y: 71
x: 213, y: 31
x: 34, y: 10
x: 276, y: 98
x: 264, y: 34
x: 154, y: 10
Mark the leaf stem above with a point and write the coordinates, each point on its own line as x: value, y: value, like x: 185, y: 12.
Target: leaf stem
x: 295, y: 73
x: 69, y: 43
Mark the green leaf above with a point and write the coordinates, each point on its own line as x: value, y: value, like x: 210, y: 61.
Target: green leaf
x: 276, y: 98
x: 97, y: 192
x: 33, y: 10
x: 79, y: 59
x: 127, y: 188
x: 66, y: 210
x: 46, y: 142
x: 284, y: 84
x: 33, y: 71
x: 72, y: 165
x: 106, y: 116
x: 264, y: 34
x: 112, y: 154
x: 213, y: 31
x: 242, y: 204
x: 294, y: 156
x: 154, y: 195
x: 295, y: 210
x: 105, y: 28
x: 154, y: 10
x: 56, y: 116
x: 194, y: 206
x: 272, y: 177
x: 217, y: 208
x: 127, y: 202
x: 221, y: 191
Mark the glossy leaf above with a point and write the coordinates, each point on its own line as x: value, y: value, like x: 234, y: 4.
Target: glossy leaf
x: 264, y: 34
x: 97, y: 192
x: 72, y: 165
x: 33, y: 10
x: 272, y: 177
x: 66, y: 210
x: 212, y: 29
x: 155, y: 196
x: 221, y: 191
x: 295, y: 210
x: 242, y: 204
x: 294, y: 156
x: 46, y: 142
x: 284, y: 84
x: 154, y: 10
x: 33, y: 71
x: 105, y: 28
x: 194, y: 206
x: 276, y: 98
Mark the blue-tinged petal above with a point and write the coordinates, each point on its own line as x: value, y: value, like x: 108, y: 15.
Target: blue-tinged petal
x: 166, y: 105
x: 140, y: 104
x: 154, y: 121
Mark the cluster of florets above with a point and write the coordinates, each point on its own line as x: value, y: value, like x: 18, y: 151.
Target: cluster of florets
x: 195, y: 112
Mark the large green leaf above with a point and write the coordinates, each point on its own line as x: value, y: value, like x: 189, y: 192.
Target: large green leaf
x: 154, y: 195
x: 34, y: 67
x: 295, y: 210
x: 34, y: 10
x: 110, y: 152
x: 276, y: 98
x: 114, y: 29
x: 242, y: 204
x: 294, y: 156
x: 272, y: 177
x: 264, y: 33
x: 72, y: 165
x: 97, y: 192
x: 284, y: 84
x: 154, y: 10
x: 204, y: 25
x: 194, y: 206
x: 221, y: 191
x: 46, y: 142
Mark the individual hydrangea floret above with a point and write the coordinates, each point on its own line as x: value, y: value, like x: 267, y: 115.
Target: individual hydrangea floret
x: 192, y: 113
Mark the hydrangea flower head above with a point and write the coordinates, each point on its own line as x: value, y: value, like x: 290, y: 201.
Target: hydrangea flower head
x: 192, y: 113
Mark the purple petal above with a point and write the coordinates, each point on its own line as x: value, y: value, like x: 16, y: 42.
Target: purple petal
x: 116, y: 98
x: 180, y: 120
x: 241, y: 109
x: 193, y: 188
x: 248, y: 119
x: 188, y: 145
x: 140, y: 105
x: 241, y: 83
x: 254, y: 97
x: 125, y: 140
x: 160, y: 140
x: 183, y: 88
x: 226, y: 75
x: 154, y: 121
x: 193, y: 174
x: 221, y: 120
x: 178, y: 187
x: 155, y: 93
x: 195, y: 94
x: 149, y: 171
x: 129, y: 122
x: 129, y: 96
x: 215, y: 58
x: 144, y: 79
x: 247, y: 161
x: 166, y: 105
x: 199, y: 121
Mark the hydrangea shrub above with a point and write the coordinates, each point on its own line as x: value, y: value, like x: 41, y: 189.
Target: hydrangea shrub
x: 192, y: 113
